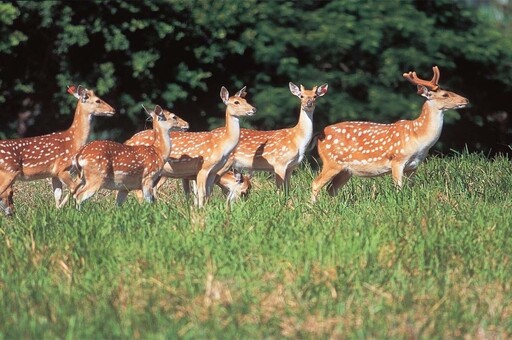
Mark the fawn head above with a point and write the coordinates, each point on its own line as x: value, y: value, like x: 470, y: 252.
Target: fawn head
x: 243, y: 184
x: 438, y: 98
x: 237, y: 105
x: 308, y: 97
x: 90, y: 102
x: 167, y: 120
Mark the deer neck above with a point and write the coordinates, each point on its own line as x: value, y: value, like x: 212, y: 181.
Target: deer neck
x: 162, y: 142
x: 304, y: 127
x: 232, y: 132
x: 79, y: 130
x: 429, y: 124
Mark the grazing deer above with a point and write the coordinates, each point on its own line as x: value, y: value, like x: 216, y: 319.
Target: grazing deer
x: 280, y: 151
x: 50, y: 155
x: 201, y: 155
x: 115, y: 166
x: 368, y: 149
x: 234, y: 185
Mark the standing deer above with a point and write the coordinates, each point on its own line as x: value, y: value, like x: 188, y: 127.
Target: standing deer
x: 50, y: 155
x: 280, y: 151
x: 368, y: 149
x: 115, y: 166
x: 233, y: 184
x: 201, y: 155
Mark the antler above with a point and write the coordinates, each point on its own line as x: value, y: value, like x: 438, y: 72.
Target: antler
x: 431, y: 84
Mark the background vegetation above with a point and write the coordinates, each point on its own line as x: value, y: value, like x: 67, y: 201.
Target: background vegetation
x: 179, y: 53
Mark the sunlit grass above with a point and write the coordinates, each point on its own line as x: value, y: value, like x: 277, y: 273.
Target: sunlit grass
x: 433, y: 259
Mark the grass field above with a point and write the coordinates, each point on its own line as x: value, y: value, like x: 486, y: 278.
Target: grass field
x: 432, y: 260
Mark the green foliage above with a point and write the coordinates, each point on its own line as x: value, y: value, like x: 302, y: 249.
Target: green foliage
x: 430, y: 261
x: 179, y: 53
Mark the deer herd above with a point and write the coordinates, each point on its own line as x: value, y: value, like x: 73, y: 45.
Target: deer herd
x: 218, y: 157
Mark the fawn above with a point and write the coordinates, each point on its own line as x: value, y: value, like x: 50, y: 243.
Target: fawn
x: 115, y: 166
x: 280, y: 151
x: 49, y: 155
x: 369, y: 149
x: 203, y: 155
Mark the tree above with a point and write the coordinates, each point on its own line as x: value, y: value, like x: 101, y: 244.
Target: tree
x: 178, y: 54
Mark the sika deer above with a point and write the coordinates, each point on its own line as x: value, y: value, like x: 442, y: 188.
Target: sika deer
x: 368, y: 149
x: 50, y: 155
x: 202, y: 155
x: 233, y: 184
x: 115, y: 166
x: 280, y: 151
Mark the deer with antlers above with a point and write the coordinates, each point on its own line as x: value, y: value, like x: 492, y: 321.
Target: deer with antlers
x: 369, y: 149
x: 116, y: 166
x: 49, y: 156
x: 280, y: 151
x: 201, y: 155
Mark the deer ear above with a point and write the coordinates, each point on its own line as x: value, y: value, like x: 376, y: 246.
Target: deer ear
x: 82, y: 93
x: 72, y: 90
x: 424, y: 91
x: 322, y: 89
x: 294, y: 89
x: 224, y: 95
x: 241, y: 93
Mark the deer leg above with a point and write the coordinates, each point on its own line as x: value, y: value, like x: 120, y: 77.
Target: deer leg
x: 338, y: 181
x: 210, y: 182
x: 202, y: 178
x: 6, y: 192
x: 158, y: 184
x: 287, y: 178
x: 121, y: 197
x: 6, y: 202
x: 280, y: 177
x: 64, y: 177
x: 325, y: 177
x: 147, y: 189
x: 185, y: 183
x: 397, y: 172
x: 57, y: 190
x: 86, y: 190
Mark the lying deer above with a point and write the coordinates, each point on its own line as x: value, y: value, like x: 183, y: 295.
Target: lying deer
x: 50, y: 155
x: 368, y: 149
x: 115, y: 166
x: 201, y: 155
x: 279, y: 151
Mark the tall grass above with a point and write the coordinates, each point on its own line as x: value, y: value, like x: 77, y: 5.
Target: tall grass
x: 431, y: 260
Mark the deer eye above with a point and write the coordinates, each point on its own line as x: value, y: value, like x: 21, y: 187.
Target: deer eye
x: 98, y: 101
x: 301, y: 96
x: 445, y: 95
x: 237, y: 102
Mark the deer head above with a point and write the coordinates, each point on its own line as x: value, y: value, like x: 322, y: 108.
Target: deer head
x: 167, y: 120
x: 308, y: 97
x: 90, y: 102
x: 438, y: 98
x: 237, y: 105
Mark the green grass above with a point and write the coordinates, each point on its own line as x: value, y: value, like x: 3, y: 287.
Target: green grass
x: 431, y: 260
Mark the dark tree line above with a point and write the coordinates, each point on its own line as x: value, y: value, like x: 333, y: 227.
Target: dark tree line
x: 179, y: 53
